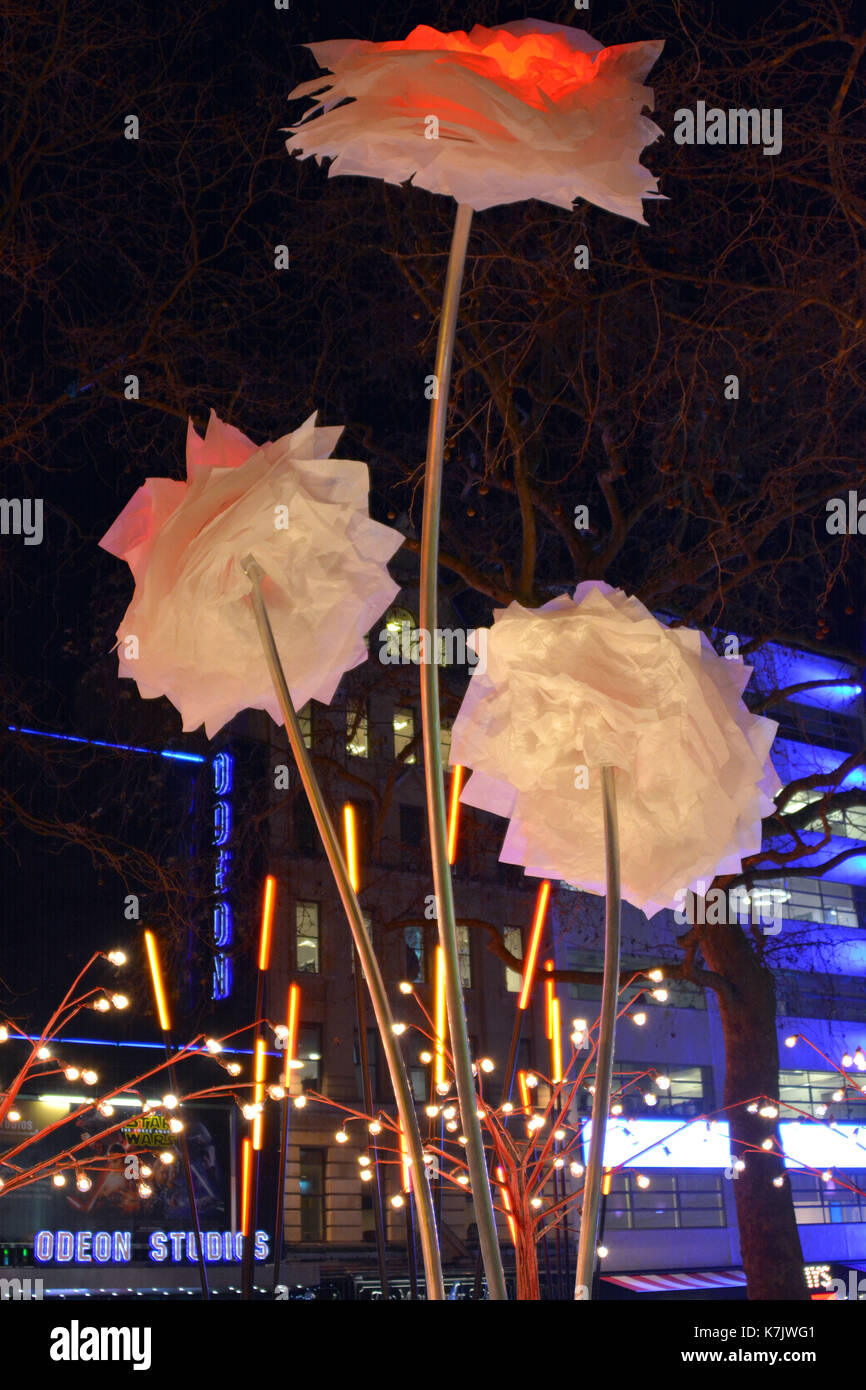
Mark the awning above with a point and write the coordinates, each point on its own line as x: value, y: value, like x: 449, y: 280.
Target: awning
x: 678, y: 1281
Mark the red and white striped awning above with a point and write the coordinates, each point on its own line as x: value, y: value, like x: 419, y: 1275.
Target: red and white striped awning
x: 678, y: 1282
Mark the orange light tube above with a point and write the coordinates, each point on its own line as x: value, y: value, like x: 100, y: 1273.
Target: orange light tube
x: 267, y: 921
x: 156, y: 980
x: 259, y: 1090
x: 506, y: 1202
x: 292, y: 1015
x: 534, y: 943
x: 524, y: 1091
x: 351, y: 842
x: 548, y: 1002
x: 556, y: 1043
x: 246, y: 1183
x: 439, y: 1016
x: 404, y: 1162
x: 605, y: 1182
x: 454, y: 811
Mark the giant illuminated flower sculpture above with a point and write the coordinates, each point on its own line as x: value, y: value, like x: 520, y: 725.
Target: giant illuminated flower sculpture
x: 255, y: 582
x: 305, y: 517
x: 597, y: 681
x: 525, y: 110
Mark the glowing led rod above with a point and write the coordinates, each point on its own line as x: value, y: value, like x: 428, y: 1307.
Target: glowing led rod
x: 439, y: 1016
x: 292, y: 1014
x: 555, y: 1043
x: 267, y: 921
x: 156, y: 979
x: 246, y: 1176
x: 350, y: 835
x: 548, y: 1002
x: 525, y: 1100
x: 101, y: 743
x: 404, y: 1162
x: 534, y: 943
x: 258, y: 1090
x: 454, y: 811
x: 506, y: 1202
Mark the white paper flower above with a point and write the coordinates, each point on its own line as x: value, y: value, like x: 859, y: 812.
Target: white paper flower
x: 305, y: 518
x: 525, y: 110
x: 596, y: 680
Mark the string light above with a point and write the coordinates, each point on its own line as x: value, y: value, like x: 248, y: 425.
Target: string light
x: 301, y: 1100
x: 83, y: 1183
x: 71, y: 1073
x: 656, y: 976
x: 341, y: 1136
x: 397, y: 1200
x: 120, y: 1001
x: 663, y: 1083
x: 405, y: 987
x: 374, y: 1127
x: 116, y: 957
x: 59, y: 1179
x: 170, y: 1101
x: 791, y: 1041
x: 398, y: 1029
x: 486, y: 1065
x: 642, y: 1180
x: 639, y: 1018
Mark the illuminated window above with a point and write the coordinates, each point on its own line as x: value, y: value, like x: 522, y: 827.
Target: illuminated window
x: 445, y: 742
x: 404, y: 733
x: 305, y: 719
x: 813, y: 1092
x: 399, y: 626
x: 357, y: 729
x: 513, y: 942
x: 307, y: 942
x: 679, y: 1200
x: 464, y: 956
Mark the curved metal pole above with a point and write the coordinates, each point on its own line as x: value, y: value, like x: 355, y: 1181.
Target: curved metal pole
x: 604, y: 1056
x: 436, y: 815
x: 372, y: 974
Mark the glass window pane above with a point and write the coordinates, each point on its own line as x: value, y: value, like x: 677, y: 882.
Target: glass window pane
x: 404, y: 733
x: 357, y: 729
x: 513, y: 941
x: 307, y: 943
x: 464, y: 954
x: 310, y: 1056
x: 311, y: 1184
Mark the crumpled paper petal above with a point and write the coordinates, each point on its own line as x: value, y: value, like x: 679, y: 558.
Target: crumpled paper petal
x: 525, y: 110
x: 326, y: 578
x: 596, y: 679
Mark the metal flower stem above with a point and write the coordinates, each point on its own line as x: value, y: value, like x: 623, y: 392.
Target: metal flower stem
x: 586, y: 1250
x: 372, y: 973
x: 436, y: 814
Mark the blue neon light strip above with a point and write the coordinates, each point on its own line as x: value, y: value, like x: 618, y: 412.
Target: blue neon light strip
x: 100, y: 743
x: 106, y: 1042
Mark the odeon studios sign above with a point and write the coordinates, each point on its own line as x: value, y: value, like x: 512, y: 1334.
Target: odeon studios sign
x: 171, y: 1247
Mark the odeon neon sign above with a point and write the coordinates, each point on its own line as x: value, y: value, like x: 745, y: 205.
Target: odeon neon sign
x: 115, y: 1247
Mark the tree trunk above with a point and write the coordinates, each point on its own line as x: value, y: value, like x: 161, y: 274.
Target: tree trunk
x: 526, y: 1261
x: 769, y: 1239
